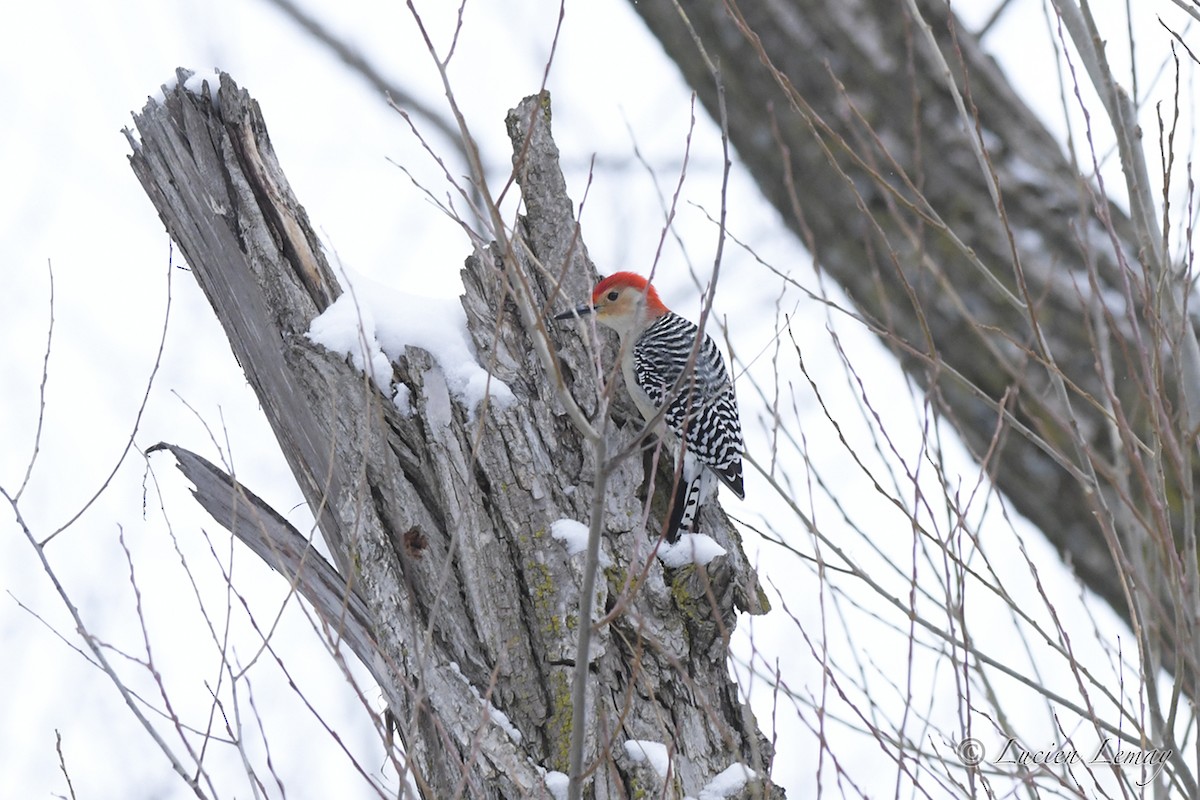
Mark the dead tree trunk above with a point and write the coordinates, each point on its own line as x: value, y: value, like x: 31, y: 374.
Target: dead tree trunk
x: 843, y: 114
x: 446, y: 583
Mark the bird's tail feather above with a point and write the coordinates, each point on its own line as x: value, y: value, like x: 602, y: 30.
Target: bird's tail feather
x: 696, y: 485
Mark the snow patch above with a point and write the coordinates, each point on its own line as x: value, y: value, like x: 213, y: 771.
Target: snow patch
x: 692, y: 548
x: 652, y: 753
x: 557, y: 782
x: 728, y: 783
x: 402, y: 399
x: 574, y: 536
x: 494, y: 714
x: 194, y: 84
x: 373, y: 324
x: 349, y: 329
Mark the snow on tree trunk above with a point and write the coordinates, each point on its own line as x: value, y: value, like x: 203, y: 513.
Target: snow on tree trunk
x: 458, y: 599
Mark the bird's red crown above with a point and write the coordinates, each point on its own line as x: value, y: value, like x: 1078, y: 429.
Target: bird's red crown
x: 621, y: 280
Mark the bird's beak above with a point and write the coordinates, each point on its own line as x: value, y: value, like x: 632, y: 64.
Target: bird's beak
x: 587, y: 308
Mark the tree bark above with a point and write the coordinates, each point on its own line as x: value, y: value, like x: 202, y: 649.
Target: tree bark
x: 454, y: 595
x: 845, y: 120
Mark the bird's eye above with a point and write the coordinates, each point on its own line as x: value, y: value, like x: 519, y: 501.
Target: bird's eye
x: 612, y: 296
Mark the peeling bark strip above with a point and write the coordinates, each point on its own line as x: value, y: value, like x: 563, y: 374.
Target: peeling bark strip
x: 445, y: 581
x: 283, y: 548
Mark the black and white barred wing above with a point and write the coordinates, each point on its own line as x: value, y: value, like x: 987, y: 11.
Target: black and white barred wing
x: 703, y: 401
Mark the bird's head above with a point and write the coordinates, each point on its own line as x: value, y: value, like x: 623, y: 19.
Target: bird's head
x: 624, y: 301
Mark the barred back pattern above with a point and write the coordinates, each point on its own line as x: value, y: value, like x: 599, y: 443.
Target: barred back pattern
x: 704, y: 400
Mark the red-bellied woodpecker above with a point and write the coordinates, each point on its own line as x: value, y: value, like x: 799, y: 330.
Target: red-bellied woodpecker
x: 657, y: 362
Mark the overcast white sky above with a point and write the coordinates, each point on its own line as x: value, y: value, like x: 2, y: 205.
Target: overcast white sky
x: 70, y: 75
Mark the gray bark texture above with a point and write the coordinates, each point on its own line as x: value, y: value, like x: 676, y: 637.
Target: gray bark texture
x: 844, y: 117
x: 445, y: 581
